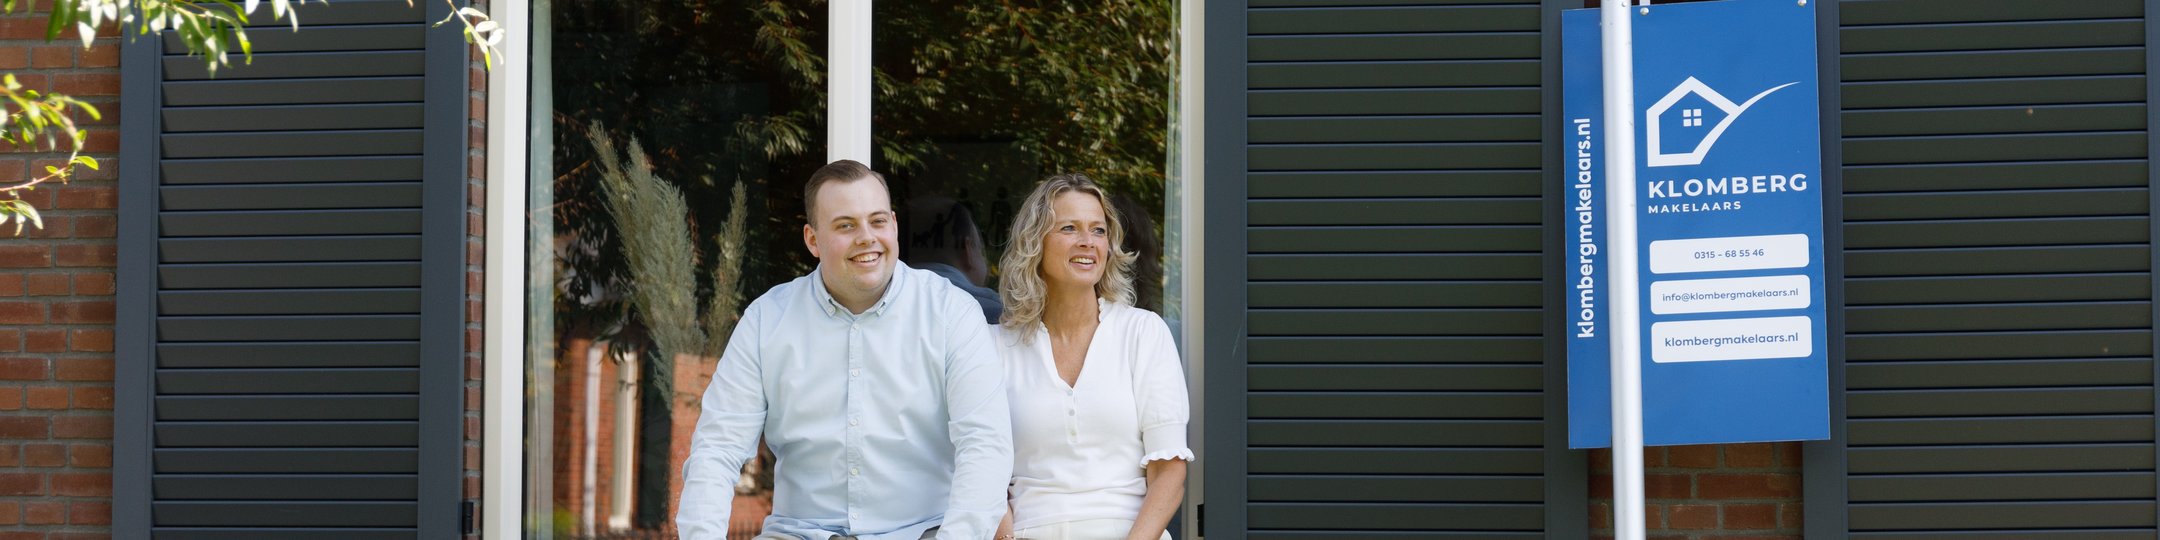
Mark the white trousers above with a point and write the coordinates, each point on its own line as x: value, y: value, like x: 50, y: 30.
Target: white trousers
x: 1086, y: 529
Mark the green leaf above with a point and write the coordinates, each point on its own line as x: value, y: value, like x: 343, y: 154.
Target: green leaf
x: 87, y: 161
x: 63, y: 16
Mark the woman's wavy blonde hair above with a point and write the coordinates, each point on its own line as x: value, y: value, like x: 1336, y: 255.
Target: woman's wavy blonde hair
x: 1021, y: 287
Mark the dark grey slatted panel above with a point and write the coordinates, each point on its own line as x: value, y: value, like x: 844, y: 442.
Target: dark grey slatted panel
x: 1400, y: 239
x: 1394, y: 405
x: 1397, y: 74
x: 1469, y: 46
x: 320, y: 407
x: 300, y: 434
x: 293, y: 117
x: 1394, y: 267
x: 2000, y: 373
x: 280, y: 144
x: 286, y: 275
x: 1393, y: 19
x: 289, y: 302
x: 2003, y: 515
x: 1395, y: 378
x: 1513, y: 461
x: 288, y: 381
x: 298, y: 65
x: 285, y: 487
x: 1394, y: 101
x: 290, y: 328
x: 274, y: 355
x: 1308, y: 488
x: 1393, y: 294
x: 1396, y: 516
x: 285, y: 514
x: 2019, y: 288
x: 290, y: 222
x: 287, y: 460
x: 281, y: 170
x: 342, y: 12
x: 277, y: 92
x: 1449, y: 211
x: 1407, y: 129
x: 292, y: 196
x: 1999, y: 376
x: 1356, y: 433
x: 1986, y: 487
x: 1394, y: 349
x: 320, y: 248
x: 1364, y: 3
x: 328, y: 38
x: 1347, y: 322
x: 2000, y: 458
x: 1369, y: 535
x: 1393, y: 184
x: 1975, y: 176
x: 1393, y: 156
x: 283, y: 533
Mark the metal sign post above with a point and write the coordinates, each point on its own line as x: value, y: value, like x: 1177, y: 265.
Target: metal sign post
x: 1627, y: 425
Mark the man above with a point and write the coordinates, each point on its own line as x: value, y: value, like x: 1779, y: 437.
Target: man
x: 942, y: 238
x: 874, y: 384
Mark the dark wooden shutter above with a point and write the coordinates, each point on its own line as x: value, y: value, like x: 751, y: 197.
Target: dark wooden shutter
x: 1393, y: 314
x: 1998, y: 286
x: 293, y: 334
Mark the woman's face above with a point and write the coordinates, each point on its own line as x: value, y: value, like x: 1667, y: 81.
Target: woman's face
x: 1073, y: 250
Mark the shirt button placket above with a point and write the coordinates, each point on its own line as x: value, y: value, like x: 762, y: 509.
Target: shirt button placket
x: 854, y: 432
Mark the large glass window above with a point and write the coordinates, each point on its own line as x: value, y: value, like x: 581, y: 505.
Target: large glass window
x: 671, y: 141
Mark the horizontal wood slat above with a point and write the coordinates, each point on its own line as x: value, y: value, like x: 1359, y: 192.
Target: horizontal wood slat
x: 1413, y: 349
x: 289, y: 328
x: 1996, y: 487
x: 286, y: 460
x: 291, y: 196
x: 2026, y: 288
x: 289, y: 355
x: 289, y: 381
x: 1977, y: 176
x: 1997, y: 204
x: 290, y: 222
x: 1998, y: 373
x: 326, y: 37
x: 1514, y: 461
x: 288, y: 275
x: 2010, y: 430
x: 282, y: 533
x: 1986, y: 64
x: 175, y: 487
x: 1421, y: 433
x: 1363, y: 184
x: 2003, y: 515
x: 1994, y: 120
x: 292, y: 144
x: 1396, y: 266
x: 1364, y: 489
x: 1396, y: 294
x: 287, y: 170
x: 292, y: 117
x: 289, y: 407
x: 284, y: 514
x: 1403, y: 405
x: 1468, y: 46
x: 289, y: 302
x: 2002, y: 35
x: 1520, y: 100
x: 1472, y: 18
x: 286, y: 434
x: 2000, y: 458
x: 289, y: 249
x: 291, y: 91
x: 1874, y: 12
x: 1346, y: 322
x: 1481, y: 128
x: 1986, y: 92
x: 1396, y: 516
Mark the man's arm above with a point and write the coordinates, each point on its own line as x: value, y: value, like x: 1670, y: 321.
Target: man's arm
x: 732, y: 417
x: 981, y: 429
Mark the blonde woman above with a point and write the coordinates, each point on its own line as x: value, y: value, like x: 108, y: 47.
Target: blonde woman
x: 1095, y: 385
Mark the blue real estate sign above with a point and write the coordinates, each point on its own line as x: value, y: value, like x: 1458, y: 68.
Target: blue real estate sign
x: 1729, y: 222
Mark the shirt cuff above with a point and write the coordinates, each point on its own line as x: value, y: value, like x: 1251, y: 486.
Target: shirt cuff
x: 1163, y: 442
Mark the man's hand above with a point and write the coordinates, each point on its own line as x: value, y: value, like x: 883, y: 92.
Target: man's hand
x: 748, y: 518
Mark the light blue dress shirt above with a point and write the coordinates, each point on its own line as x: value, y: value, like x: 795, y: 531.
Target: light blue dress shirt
x: 885, y: 423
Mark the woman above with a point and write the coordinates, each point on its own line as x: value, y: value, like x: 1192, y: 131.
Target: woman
x: 1096, y: 388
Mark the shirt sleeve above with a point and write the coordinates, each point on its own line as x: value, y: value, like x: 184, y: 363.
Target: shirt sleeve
x: 731, y: 418
x: 981, y: 430
x: 1159, y: 387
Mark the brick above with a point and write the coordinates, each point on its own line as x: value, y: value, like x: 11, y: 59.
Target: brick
x: 44, y: 513
x: 10, y: 512
x: 11, y: 284
x: 1788, y: 455
x: 94, y: 283
x: 22, y: 313
x: 23, y: 369
x: 103, y: 53
x: 10, y: 455
x: 45, y: 284
x: 87, y: 84
x: 102, y: 256
x: 90, y: 513
x: 82, y: 427
x: 17, y: 484
x: 87, y: 197
x: 53, y: 56
x: 25, y: 427
x: 1748, y: 456
x: 96, y: 227
x: 10, y: 340
x: 1691, y: 517
x: 45, y: 340
x: 1742, y: 517
x: 16, y: 57
x: 91, y: 340
x: 93, y: 397
x: 48, y: 397
x: 44, y: 455
x: 1699, y: 456
x: 11, y: 399
x: 82, y: 484
x: 1748, y: 486
x: 1789, y: 515
x: 98, y: 311
x: 25, y: 256
x: 90, y: 455
x: 83, y: 369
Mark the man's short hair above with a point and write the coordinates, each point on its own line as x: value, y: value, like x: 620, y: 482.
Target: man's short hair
x: 846, y: 170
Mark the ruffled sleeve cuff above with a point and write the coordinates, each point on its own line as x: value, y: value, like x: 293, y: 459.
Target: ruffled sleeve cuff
x: 1163, y: 442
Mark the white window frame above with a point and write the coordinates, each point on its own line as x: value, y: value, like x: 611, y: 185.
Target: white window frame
x: 510, y: 162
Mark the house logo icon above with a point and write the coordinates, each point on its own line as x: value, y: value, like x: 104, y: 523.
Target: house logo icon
x: 1693, y: 118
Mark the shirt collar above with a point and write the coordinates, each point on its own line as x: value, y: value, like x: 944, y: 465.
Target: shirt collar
x: 832, y: 305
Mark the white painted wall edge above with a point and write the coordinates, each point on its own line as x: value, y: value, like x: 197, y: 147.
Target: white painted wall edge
x: 503, y: 322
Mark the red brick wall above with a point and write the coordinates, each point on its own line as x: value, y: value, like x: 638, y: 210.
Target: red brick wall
x: 56, y: 306
x: 475, y: 267
x: 1709, y: 492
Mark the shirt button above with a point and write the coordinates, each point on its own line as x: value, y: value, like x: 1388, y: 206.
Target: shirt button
x: 854, y: 471
x: 852, y: 421
x: 854, y: 372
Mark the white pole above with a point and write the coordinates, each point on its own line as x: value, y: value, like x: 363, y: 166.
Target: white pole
x: 1627, y: 437
x: 847, y: 82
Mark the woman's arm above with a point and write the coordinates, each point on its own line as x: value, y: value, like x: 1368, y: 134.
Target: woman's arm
x: 1005, y: 530
x: 1165, y: 492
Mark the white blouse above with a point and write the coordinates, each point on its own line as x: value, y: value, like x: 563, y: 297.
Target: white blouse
x: 1080, y: 451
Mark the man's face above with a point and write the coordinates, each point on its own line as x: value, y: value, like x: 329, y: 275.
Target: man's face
x: 855, y: 238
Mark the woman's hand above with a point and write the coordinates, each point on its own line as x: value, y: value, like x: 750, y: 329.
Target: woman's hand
x: 1005, y: 528
x: 1165, y: 492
